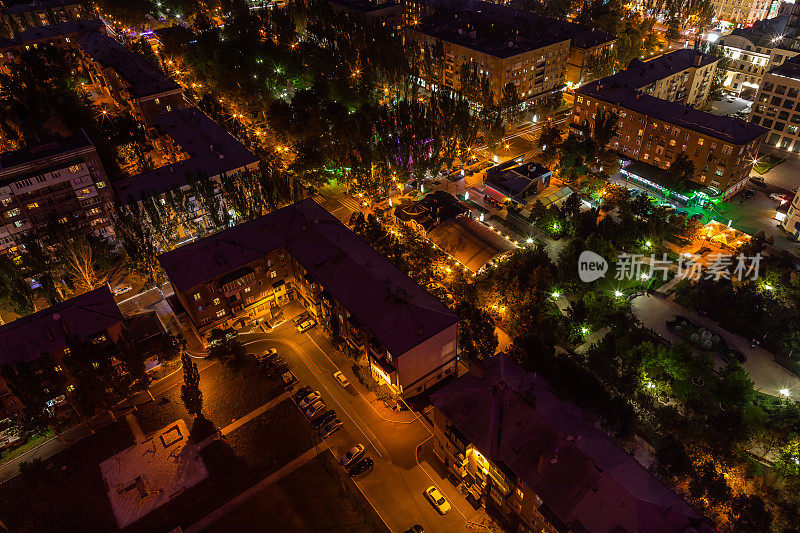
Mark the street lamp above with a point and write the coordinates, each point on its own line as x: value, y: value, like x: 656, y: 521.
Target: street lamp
x: 556, y: 294
x: 618, y: 293
x: 785, y: 392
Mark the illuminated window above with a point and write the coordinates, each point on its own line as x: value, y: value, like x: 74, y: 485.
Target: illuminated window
x: 700, y: 141
x: 70, y: 388
x: 18, y: 223
x: 66, y: 351
x: 58, y: 368
x: 12, y: 212
x: 216, y: 301
x: 246, y: 290
x: 62, y: 220
x: 220, y: 313
x: 196, y: 296
x: 34, y: 205
x: 520, y: 494
x: 100, y: 184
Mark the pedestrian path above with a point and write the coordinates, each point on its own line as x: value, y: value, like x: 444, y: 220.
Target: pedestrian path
x: 136, y: 429
x: 244, y: 420
x: 276, y: 476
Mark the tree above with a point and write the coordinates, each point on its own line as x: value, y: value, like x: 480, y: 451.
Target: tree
x: 511, y: 104
x: 225, y: 346
x: 679, y: 173
x: 79, y: 264
x: 735, y: 387
x: 606, y: 125
x: 191, y: 395
x: 476, y: 335
x: 29, y: 386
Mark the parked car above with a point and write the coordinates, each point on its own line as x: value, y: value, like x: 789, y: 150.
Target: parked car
x: 749, y: 193
x: 437, y: 499
x: 301, y: 393
x: 121, y: 289
x: 731, y: 98
x: 323, y: 419
x: 268, y: 354
x: 778, y: 197
x: 352, y: 455
x: 314, y: 409
x: 300, y: 318
x: 330, y: 428
x: 341, y: 378
x: 758, y: 181
x: 362, y: 466
x: 416, y: 528
x: 309, y: 399
x: 306, y: 325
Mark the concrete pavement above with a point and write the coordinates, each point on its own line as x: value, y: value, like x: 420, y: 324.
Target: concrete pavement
x: 768, y: 377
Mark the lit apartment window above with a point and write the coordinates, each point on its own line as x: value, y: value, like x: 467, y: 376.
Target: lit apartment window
x: 220, y: 313
x: 100, y: 184
x: 6, y: 201
x: 66, y: 351
x: 34, y: 205
x: 58, y: 368
x: 18, y: 223
x: 12, y: 212
x: 70, y: 388
x: 197, y: 296
x: 700, y: 141
x: 62, y: 220
x: 246, y: 290
x: 216, y: 301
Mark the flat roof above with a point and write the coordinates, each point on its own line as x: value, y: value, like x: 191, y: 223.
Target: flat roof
x: 391, y: 306
x: 143, y: 78
x: 763, y: 33
x: 364, y: 6
x: 472, y: 243
x: 27, y: 338
x: 642, y: 73
x: 732, y: 130
x: 582, y: 477
x: 38, y: 5
x: 211, y: 150
x: 46, y: 147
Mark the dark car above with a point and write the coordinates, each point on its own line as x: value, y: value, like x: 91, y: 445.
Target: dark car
x: 302, y: 393
x: 362, y: 466
x: 416, y: 528
x: 323, y: 419
x: 758, y: 181
x: 749, y: 193
x: 330, y: 428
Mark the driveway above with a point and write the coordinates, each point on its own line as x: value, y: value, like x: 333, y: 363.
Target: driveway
x: 768, y: 377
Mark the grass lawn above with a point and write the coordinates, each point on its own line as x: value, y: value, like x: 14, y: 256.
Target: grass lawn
x: 611, y: 284
x: 766, y: 163
x: 287, y: 505
x: 69, y: 494
x: 32, y: 443
x: 235, y: 463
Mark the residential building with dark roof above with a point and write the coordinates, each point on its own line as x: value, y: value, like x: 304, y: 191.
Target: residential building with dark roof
x: 129, y: 78
x: 777, y: 108
x: 41, y: 341
x: 656, y: 131
x: 585, y: 43
x: 20, y: 17
x: 55, y: 180
x: 682, y: 76
x: 383, y: 14
x: 302, y: 252
x: 198, y: 146
x: 62, y: 35
x: 754, y: 50
x: 535, y: 64
x: 538, y: 460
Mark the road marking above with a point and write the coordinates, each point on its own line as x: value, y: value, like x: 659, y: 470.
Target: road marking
x: 299, y: 349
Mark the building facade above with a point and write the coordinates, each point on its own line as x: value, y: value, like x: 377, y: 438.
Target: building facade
x: 792, y: 221
x: 39, y: 342
x: 753, y: 51
x: 656, y: 131
x: 59, y: 180
x: 741, y: 12
x: 20, y: 17
x: 777, y: 108
x: 302, y: 253
x: 512, y: 445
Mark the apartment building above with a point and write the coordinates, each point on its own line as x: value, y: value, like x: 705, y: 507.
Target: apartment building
x: 755, y: 50
x: 303, y: 253
x: 381, y: 14
x: 196, y: 145
x: 20, y: 17
x: 512, y: 445
x: 56, y: 180
x: 743, y: 12
x: 777, y: 108
x: 62, y: 35
x: 655, y: 131
x: 129, y: 78
x: 536, y: 65
x: 792, y: 221
x: 585, y: 43
x: 40, y: 343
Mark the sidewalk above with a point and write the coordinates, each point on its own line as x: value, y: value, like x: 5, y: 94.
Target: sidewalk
x: 768, y: 377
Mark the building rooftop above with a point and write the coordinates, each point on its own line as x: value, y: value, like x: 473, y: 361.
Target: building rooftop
x: 469, y: 31
x: 391, y: 306
x: 431, y: 209
x: 789, y: 69
x: 732, y: 130
x: 640, y: 74
x: 62, y: 29
x: 143, y: 78
x: 585, y: 480
x: 470, y: 242
x: 38, y: 5
x: 46, y: 147
x: 27, y: 338
x: 211, y: 150
x: 513, y: 179
x: 767, y: 33
x: 365, y: 6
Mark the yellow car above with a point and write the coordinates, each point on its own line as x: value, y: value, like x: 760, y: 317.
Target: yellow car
x: 437, y: 499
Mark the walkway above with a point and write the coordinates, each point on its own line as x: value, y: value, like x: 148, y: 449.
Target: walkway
x: 258, y: 411
x: 768, y: 377
x: 276, y: 476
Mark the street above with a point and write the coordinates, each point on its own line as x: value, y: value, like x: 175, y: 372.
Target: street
x: 399, y: 442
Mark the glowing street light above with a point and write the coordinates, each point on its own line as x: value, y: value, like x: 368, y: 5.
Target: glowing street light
x: 618, y: 293
x: 785, y: 392
x: 556, y: 294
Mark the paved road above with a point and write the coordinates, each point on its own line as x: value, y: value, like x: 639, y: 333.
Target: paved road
x: 768, y: 377
x: 400, y: 443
